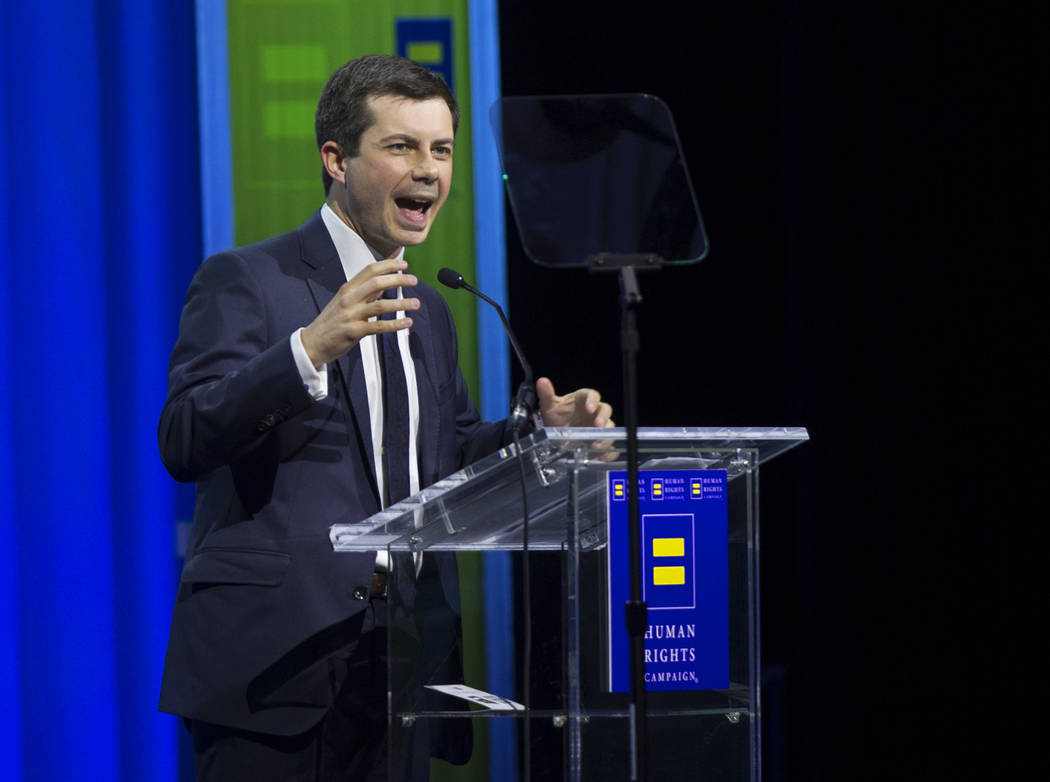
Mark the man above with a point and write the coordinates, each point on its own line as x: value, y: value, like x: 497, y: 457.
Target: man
x: 314, y: 381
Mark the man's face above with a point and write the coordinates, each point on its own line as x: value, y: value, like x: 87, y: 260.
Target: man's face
x: 400, y: 178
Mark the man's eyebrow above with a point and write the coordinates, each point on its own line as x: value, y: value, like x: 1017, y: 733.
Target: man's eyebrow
x: 398, y: 137
x: 413, y: 140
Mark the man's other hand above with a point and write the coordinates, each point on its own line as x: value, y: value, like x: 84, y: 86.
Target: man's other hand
x: 583, y: 407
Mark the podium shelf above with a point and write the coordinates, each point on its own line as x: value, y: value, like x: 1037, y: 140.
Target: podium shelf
x: 479, y: 508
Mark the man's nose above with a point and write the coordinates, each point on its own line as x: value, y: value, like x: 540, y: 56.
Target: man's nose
x: 426, y: 169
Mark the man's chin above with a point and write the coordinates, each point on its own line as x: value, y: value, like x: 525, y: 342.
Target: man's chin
x: 413, y: 238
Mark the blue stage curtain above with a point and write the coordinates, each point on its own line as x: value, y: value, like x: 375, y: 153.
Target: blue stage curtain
x: 100, y: 233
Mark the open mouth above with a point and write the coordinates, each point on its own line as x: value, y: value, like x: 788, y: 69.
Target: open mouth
x: 414, y: 209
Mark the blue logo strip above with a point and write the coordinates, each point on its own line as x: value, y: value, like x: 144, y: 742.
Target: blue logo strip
x: 433, y: 37
x: 685, y: 561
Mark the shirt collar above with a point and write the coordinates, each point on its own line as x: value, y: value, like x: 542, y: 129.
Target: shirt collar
x: 354, y: 252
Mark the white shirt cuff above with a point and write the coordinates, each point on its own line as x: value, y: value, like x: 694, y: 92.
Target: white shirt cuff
x: 315, y: 382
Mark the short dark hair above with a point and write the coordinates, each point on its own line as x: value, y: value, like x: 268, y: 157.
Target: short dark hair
x: 343, y: 113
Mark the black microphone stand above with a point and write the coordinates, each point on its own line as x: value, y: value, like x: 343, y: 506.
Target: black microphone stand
x: 635, y: 611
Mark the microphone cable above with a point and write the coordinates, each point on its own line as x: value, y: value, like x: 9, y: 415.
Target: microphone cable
x: 525, y: 402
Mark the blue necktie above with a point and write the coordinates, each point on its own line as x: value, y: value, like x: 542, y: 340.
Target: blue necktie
x: 395, y: 447
x: 395, y: 414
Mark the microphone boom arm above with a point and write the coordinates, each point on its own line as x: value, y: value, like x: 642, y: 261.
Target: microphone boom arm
x: 525, y: 400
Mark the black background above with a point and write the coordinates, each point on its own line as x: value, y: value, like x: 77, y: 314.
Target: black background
x: 874, y: 181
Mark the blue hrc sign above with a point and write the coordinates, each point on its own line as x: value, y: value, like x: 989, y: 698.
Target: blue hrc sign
x: 685, y: 564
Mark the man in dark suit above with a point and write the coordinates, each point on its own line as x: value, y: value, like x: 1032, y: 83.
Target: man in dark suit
x: 315, y: 381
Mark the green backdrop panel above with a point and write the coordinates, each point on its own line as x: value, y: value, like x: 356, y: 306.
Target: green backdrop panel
x: 280, y: 54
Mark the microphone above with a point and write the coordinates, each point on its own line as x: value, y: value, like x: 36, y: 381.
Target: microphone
x: 525, y: 399
x: 451, y: 278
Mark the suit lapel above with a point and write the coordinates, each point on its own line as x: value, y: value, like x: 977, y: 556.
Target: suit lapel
x: 324, y: 278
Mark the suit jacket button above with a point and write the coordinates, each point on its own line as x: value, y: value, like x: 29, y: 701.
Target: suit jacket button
x: 360, y: 592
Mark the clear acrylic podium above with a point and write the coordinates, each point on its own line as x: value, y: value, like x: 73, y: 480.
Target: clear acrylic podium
x: 579, y: 730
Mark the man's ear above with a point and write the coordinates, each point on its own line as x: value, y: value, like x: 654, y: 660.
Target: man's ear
x: 334, y: 161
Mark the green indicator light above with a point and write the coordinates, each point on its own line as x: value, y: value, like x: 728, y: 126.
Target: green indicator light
x: 505, y: 177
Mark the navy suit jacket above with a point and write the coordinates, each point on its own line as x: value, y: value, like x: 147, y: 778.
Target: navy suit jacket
x: 265, y: 606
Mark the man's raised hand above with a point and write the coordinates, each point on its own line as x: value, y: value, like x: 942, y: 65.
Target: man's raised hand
x: 345, y: 319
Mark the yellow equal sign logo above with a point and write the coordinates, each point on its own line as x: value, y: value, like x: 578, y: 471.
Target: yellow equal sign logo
x: 426, y: 52
x: 694, y: 488
x: 619, y: 490
x: 658, y: 489
x: 668, y: 575
x: 668, y: 547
